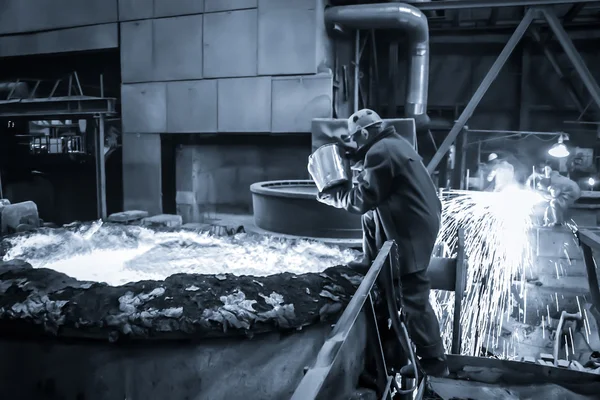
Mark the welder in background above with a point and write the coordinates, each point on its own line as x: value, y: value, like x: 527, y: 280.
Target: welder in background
x: 398, y: 201
x: 561, y: 192
x: 501, y: 174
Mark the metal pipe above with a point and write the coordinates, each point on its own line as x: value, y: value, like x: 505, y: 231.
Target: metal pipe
x: 565, y: 41
x: 465, y: 4
x: 356, y: 69
x: 481, y: 90
x: 402, y: 17
x: 100, y: 170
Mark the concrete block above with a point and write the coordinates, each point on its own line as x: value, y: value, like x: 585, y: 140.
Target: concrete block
x: 142, y: 172
x: 127, y: 216
x: 192, y: 106
x: 137, y: 51
x: 547, y: 357
x: 291, y: 31
x: 529, y: 359
x: 4, y: 202
x: 14, y: 215
x: 178, y: 7
x: 563, y: 363
x: 244, y: 105
x: 163, y: 220
x: 177, y: 43
x: 144, y: 107
x: 230, y: 44
x: 228, y: 5
x: 296, y: 101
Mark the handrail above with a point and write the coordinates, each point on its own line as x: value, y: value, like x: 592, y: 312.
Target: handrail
x: 589, y: 241
x: 313, y: 381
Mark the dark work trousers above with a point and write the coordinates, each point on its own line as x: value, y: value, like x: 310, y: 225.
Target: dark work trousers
x: 421, y: 321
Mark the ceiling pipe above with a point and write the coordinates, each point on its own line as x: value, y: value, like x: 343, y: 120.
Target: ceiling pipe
x: 396, y: 16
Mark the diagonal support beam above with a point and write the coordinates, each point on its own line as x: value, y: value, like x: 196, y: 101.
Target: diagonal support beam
x: 569, y: 48
x: 557, y: 69
x: 482, y: 89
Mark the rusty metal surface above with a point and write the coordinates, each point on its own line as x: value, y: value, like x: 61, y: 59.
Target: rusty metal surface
x: 144, y: 107
x: 290, y: 30
x: 228, y: 5
x: 20, y: 16
x: 85, y: 38
x: 297, y: 100
x: 230, y: 44
x: 244, y: 104
x: 192, y: 106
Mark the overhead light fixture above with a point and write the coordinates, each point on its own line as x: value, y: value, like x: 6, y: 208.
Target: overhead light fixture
x: 560, y: 150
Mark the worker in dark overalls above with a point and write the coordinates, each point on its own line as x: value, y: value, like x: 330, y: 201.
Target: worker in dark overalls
x: 398, y: 201
x: 562, y: 193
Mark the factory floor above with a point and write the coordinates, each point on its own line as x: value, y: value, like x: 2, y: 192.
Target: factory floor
x: 247, y: 221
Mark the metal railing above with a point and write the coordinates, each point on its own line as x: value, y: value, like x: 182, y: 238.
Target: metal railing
x: 318, y: 380
x: 589, y: 241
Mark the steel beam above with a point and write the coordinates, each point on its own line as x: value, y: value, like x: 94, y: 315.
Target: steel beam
x: 56, y: 107
x: 482, y: 89
x: 567, y: 44
x: 466, y: 4
x: 100, y: 169
x: 557, y: 69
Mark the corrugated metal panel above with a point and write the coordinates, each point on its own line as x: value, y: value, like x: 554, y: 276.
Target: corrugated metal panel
x: 168, y: 8
x: 230, y: 44
x: 137, y: 61
x: 19, y: 16
x: 297, y: 100
x: 292, y: 32
x: 244, y: 104
x: 135, y: 9
x: 142, y: 173
x: 228, y: 5
x: 144, y: 107
x: 192, y: 106
x: 178, y: 48
x: 94, y: 37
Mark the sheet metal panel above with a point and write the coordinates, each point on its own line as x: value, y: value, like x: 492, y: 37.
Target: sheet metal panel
x: 192, y: 106
x: 170, y: 8
x: 297, y: 100
x: 292, y: 32
x: 230, y: 44
x: 177, y: 46
x: 144, y: 107
x: 244, y: 104
x: 287, y: 4
x: 135, y: 9
x: 228, y: 5
x: 19, y: 16
x: 95, y: 37
x: 142, y: 173
x: 137, y: 55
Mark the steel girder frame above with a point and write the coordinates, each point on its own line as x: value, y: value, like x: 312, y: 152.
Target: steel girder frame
x: 482, y: 89
x: 470, y: 4
x: 569, y: 49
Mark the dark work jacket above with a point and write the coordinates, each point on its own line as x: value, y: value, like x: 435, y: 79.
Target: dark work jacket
x: 397, y: 187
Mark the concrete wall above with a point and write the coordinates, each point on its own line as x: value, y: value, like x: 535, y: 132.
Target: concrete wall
x: 222, y: 67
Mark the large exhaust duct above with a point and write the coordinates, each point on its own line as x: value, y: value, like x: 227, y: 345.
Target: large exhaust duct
x: 402, y: 17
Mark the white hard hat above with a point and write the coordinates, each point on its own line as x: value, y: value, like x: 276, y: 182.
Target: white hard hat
x: 492, y: 157
x: 363, y: 119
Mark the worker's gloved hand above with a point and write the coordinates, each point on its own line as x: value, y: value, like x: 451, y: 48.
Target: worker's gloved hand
x: 332, y: 196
